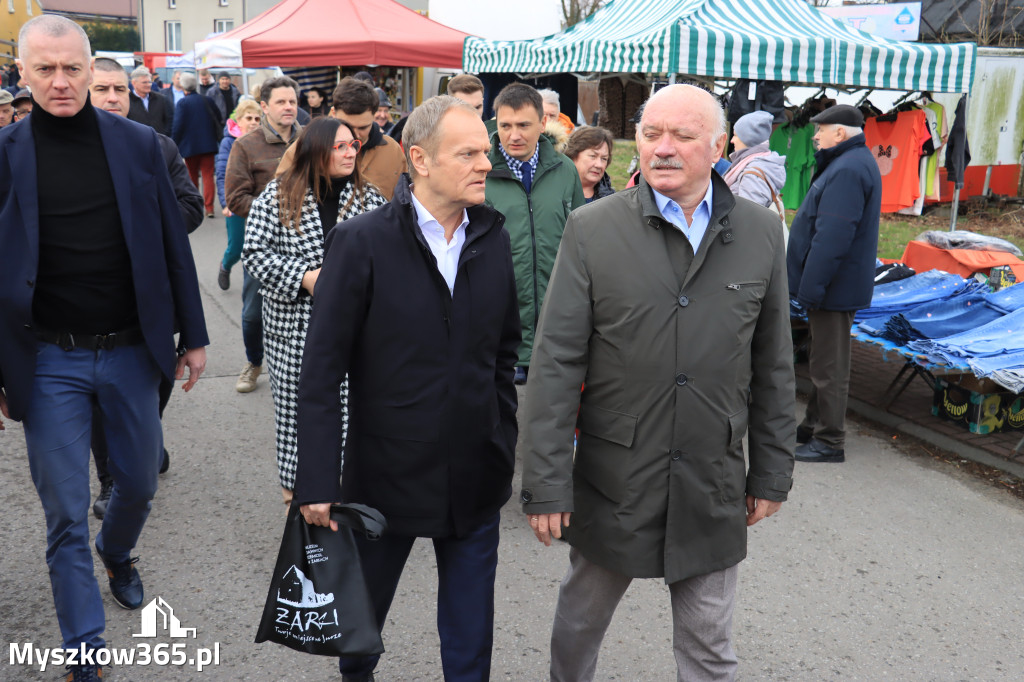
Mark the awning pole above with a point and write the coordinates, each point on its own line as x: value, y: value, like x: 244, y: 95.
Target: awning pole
x: 671, y: 79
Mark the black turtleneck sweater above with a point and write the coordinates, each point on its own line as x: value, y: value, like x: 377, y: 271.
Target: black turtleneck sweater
x: 84, y: 284
x: 330, y: 205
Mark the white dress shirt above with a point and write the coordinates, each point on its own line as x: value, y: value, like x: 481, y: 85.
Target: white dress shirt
x: 446, y: 253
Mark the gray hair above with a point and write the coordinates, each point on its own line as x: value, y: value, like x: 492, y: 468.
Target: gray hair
x: 141, y: 72
x: 550, y: 96
x: 187, y: 81
x: 423, y: 127
x: 52, y: 25
x: 850, y: 130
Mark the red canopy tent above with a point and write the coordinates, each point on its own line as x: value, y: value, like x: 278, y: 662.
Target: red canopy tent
x: 335, y: 33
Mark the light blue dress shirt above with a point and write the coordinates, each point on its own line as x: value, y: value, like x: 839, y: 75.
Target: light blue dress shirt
x: 673, y: 213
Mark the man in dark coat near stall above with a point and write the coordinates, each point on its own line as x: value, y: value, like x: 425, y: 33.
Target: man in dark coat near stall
x: 833, y: 243
x: 197, y: 134
x: 416, y: 303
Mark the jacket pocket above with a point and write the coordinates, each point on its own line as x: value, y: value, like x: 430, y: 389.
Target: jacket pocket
x: 603, y: 458
x: 734, y: 469
x: 617, y: 427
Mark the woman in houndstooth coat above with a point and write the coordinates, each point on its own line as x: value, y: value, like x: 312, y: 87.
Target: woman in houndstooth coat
x: 284, y: 248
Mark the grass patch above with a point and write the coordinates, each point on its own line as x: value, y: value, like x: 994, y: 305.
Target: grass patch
x: 622, y: 154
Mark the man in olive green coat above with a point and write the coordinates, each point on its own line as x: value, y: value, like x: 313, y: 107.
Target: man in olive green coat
x: 670, y: 301
x: 535, y: 188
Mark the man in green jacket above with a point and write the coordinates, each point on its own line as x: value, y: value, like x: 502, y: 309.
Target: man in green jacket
x: 670, y: 298
x: 535, y: 187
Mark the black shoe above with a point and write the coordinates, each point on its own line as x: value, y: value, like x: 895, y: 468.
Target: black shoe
x: 223, y: 278
x: 84, y: 673
x: 125, y: 583
x: 166, y: 464
x: 99, y: 507
x: 804, y: 434
x: 361, y: 678
x: 816, y: 451
x: 520, y: 377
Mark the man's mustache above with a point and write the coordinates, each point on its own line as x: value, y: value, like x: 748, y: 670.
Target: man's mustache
x: 665, y: 163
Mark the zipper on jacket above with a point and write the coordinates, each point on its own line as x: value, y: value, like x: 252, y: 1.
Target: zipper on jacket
x: 533, y: 240
x: 741, y: 285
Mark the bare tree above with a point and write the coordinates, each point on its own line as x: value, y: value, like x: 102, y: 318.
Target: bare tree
x: 997, y: 23
x: 575, y: 11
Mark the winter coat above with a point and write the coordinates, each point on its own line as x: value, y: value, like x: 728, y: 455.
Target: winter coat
x: 278, y: 256
x: 232, y: 131
x: 534, y: 222
x: 252, y: 164
x: 743, y: 182
x: 159, y: 116
x: 196, y: 128
x: 602, y: 189
x: 217, y: 95
x: 675, y: 377
x: 833, y: 241
x: 432, y: 407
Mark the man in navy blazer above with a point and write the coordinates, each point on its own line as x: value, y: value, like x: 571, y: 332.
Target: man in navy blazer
x: 95, y: 273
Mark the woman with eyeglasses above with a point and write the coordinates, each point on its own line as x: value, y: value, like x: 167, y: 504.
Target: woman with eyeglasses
x: 284, y: 248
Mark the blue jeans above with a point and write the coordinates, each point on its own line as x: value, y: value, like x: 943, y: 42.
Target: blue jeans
x: 252, y: 318
x: 236, y: 235
x: 465, y: 597
x: 123, y: 382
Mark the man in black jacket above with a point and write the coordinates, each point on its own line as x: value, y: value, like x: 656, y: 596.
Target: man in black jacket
x: 416, y: 303
x: 148, y: 108
x: 833, y: 243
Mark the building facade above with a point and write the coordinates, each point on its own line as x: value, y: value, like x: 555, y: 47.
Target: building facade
x: 177, y: 25
x: 14, y: 13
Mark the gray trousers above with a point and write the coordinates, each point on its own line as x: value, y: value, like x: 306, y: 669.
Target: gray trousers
x: 829, y: 369
x: 702, y: 609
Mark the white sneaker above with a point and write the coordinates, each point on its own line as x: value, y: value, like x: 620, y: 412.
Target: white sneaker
x: 247, y: 379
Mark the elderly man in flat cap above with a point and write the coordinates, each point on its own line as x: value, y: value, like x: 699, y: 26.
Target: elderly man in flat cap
x: 6, y: 108
x: 833, y: 243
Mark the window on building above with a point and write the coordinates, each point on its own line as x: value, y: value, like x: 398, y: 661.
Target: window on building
x: 10, y: 6
x: 28, y: 7
x: 173, y: 30
x: 172, y: 4
x: 223, y: 3
x: 221, y: 25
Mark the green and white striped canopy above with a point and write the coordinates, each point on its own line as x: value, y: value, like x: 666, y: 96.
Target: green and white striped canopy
x: 783, y: 40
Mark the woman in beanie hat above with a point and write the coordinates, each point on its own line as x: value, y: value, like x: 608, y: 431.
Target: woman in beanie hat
x: 757, y: 173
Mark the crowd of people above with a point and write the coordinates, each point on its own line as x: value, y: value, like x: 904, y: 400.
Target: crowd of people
x: 399, y: 288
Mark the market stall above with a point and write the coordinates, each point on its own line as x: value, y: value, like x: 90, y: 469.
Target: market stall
x: 330, y: 33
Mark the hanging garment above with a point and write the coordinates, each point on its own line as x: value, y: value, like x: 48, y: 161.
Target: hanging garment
x: 958, y: 151
x: 896, y: 146
x: 794, y: 142
x: 939, y: 139
x: 748, y: 96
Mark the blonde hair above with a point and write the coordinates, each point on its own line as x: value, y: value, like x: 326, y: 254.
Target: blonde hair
x: 244, y: 107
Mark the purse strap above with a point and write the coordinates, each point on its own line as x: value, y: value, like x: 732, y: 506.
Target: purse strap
x: 359, y: 517
x: 775, y: 197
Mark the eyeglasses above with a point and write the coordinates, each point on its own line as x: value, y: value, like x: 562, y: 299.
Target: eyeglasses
x: 354, y: 145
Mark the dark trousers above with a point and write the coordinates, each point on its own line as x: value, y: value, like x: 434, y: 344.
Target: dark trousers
x: 829, y: 368
x: 58, y: 425
x: 465, y: 597
x: 203, y: 164
x: 252, y: 318
x: 100, y: 453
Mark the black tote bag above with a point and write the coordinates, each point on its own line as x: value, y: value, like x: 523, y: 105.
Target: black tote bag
x: 318, y: 601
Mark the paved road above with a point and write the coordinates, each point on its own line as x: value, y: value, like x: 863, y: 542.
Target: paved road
x: 887, y: 567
